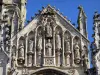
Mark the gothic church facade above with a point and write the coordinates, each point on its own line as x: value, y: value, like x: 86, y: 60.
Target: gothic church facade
x: 48, y: 45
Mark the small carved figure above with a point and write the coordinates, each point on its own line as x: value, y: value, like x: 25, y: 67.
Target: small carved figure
x: 67, y: 45
x: 39, y: 43
x: 30, y: 60
x: 48, y: 30
x: 68, y: 60
x: 58, y: 41
x: 77, y: 53
x: 13, y: 56
x: 21, y: 51
x: 31, y: 45
x: 49, y: 48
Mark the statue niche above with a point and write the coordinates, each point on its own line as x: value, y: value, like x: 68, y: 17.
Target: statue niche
x: 39, y: 42
x: 39, y: 46
x: 30, y: 52
x: 67, y: 49
x: 58, y: 46
x: 58, y: 41
x: 77, y: 53
x: 31, y: 44
x: 21, y: 55
x: 48, y: 30
x: 85, y: 56
x: 48, y: 48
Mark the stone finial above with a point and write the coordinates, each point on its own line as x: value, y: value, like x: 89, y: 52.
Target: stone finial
x: 80, y: 7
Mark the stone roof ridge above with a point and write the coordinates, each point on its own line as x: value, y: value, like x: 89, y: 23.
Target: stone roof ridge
x: 44, y: 9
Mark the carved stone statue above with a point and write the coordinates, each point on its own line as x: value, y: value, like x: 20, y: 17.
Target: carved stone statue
x: 48, y: 30
x: 77, y: 53
x: 67, y: 45
x: 31, y: 45
x: 30, y: 60
x: 68, y: 60
x: 39, y: 43
x: 49, y: 48
x: 13, y: 56
x: 58, y: 41
x: 21, y: 51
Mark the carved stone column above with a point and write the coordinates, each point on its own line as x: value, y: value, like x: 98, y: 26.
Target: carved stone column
x: 44, y: 47
x: 72, y: 54
x: 26, y: 42
x: 54, y: 47
x: 81, y: 51
x: 63, y: 57
x: 35, y: 48
x: 17, y: 51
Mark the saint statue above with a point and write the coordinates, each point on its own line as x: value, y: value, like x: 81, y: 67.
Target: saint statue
x: 77, y: 52
x: 31, y: 45
x: 39, y: 43
x: 58, y: 41
x: 13, y: 57
x: 21, y: 51
x: 48, y: 30
x: 30, y: 60
x: 49, y: 48
x: 67, y: 44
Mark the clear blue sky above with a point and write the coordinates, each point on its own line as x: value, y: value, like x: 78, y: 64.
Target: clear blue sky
x: 68, y: 8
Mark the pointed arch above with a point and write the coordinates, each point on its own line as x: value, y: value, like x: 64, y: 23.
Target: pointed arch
x: 67, y: 48
x: 76, y: 39
x: 21, y: 51
x: 30, y: 50
x: 22, y: 40
x: 58, y: 45
x: 77, y: 50
x: 39, y: 45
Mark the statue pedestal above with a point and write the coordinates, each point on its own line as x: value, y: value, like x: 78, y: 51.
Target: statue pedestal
x: 49, y: 61
x: 21, y: 61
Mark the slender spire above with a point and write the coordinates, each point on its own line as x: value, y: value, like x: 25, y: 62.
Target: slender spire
x: 82, y: 21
